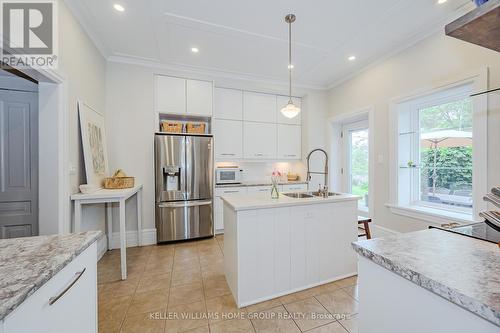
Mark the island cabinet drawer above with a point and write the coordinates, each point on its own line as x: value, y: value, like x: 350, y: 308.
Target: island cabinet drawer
x: 259, y: 189
x: 65, y: 303
x: 222, y: 191
x: 294, y: 188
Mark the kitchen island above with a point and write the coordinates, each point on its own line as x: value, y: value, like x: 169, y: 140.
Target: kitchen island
x: 428, y: 281
x: 274, y: 247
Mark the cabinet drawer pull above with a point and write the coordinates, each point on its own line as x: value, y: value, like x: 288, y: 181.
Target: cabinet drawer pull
x: 231, y: 192
x: 259, y: 154
x: 77, y: 277
x: 227, y: 154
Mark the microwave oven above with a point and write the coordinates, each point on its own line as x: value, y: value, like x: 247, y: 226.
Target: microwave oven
x: 228, y: 175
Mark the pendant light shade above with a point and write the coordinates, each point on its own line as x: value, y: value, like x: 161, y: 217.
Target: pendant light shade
x: 290, y: 110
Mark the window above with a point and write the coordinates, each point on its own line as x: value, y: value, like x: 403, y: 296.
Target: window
x: 356, y: 161
x: 435, y: 145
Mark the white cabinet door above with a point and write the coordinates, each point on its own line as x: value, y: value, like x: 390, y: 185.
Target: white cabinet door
x: 259, y: 189
x: 282, y: 101
x: 170, y: 94
x: 228, y: 139
x: 76, y: 309
x: 228, y: 104
x: 219, y: 192
x: 259, y: 107
x: 259, y: 140
x: 289, y: 142
x: 199, y: 97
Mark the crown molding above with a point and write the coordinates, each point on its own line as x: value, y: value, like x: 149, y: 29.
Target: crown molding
x: 210, y: 72
x: 80, y: 12
x: 413, y: 40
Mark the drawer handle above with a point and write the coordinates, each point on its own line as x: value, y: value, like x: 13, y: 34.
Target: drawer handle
x: 77, y: 277
x: 225, y: 154
x: 259, y: 154
x: 231, y: 192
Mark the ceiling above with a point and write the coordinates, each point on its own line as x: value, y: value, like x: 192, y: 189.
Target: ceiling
x: 248, y: 39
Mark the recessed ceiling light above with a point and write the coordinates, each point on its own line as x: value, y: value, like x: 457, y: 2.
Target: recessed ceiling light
x: 195, y: 50
x: 119, y: 7
x: 351, y: 58
x: 291, y: 66
x: 440, y: 2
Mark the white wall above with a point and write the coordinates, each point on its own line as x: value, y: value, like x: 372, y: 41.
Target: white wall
x: 83, y: 67
x: 130, y: 122
x: 433, y: 61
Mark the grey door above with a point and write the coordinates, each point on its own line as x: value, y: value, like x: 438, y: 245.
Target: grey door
x: 18, y: 164
x: 170, y: 159
x: 198, y: 167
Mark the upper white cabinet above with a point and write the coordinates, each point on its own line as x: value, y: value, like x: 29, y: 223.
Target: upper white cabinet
x: 259, y: 107
x: 181, y: 96
x: 282, y: 101
x: 289, y: 141
x: 259, y: 140
x: 170, y: 94
x: 228, y: 104
x: 199, y: 97
x: 228, y: 138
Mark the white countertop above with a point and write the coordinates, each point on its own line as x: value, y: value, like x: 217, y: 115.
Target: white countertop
x: 240, y: 202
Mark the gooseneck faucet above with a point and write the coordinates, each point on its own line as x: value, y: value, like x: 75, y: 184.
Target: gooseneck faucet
x: 325, y: 173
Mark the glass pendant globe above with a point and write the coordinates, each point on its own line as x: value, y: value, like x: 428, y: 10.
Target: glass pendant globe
x: 290, y: 110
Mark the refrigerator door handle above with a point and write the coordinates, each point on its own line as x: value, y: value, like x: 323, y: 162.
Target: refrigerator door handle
x: 185, y: 204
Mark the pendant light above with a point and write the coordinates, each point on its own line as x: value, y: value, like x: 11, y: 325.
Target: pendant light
x: 290, y: 110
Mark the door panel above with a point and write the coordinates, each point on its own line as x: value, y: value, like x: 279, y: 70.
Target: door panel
x: 170, y: 167
x: 18, y: 164
x: 183, y: 220
x: 198, y: 167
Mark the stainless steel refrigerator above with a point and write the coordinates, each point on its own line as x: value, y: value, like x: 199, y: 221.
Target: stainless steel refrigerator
x: 183, y: 176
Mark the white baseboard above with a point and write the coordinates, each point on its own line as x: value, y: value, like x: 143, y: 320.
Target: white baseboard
x: 102, y: 246
x: 378, y: 231
x: 148, y: 238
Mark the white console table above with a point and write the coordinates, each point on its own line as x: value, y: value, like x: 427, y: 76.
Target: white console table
x: 108, y: 197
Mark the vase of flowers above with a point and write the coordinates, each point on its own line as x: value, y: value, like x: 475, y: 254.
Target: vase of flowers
x: 275, y: 177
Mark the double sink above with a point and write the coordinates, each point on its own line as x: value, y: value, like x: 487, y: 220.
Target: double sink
x: 303, y: 195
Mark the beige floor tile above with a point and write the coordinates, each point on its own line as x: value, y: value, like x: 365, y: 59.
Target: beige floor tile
x: 328, y: 288
x: 352, y: 291
x: 232, y: 326
x: 180, y: 277
x: 111, y: 312
x: 157, y: 268
x: 263, y: 305
x: 202, y: 329
x: 350, y: 281
x: 351, y: 324
x: 223, y: 308
x: 142, y: 323
x: 148, y: 301
x: 309, y: 313
x: 216, y: 287
x: 186, y: 252
x: 108, y: 326
x: 185, y: 294
x: 298, y: 296
x: 186, y: 317
x: 186, y: 264
x: 274, y: 320
x: 339, y: 303
x: 154, y: 282
x: 121, y: 287
x: 334, y: 327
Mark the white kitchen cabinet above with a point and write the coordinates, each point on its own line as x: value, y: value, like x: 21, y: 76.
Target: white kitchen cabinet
x: 281, y: 102
x: 170, y: 94
x: 289, y: 142
x: 259, y: 107
x: 259, y: 189
x: 199, y: 96
x: 228, y: 104
x: 293, y: 188
x: 219, y: 192
x: 259, y: 140
x: 228, y: 139
x: 75, y: 311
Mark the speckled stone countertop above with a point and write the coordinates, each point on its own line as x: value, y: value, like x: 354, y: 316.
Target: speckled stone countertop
x: 463, y: 270
x: 27, y: 263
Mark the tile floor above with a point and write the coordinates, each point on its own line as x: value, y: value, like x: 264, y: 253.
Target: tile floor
x: 182, y: 288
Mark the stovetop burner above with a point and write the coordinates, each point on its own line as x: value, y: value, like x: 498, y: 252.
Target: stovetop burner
x: 480, y: 230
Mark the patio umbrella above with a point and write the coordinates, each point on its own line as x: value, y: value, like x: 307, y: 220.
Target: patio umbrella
x: 444, y: 138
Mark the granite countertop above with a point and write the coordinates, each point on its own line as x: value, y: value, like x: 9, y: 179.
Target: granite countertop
x: 463, y: 270
x: 260, y: 183
x: 240, y: 202
x: 27, y: 263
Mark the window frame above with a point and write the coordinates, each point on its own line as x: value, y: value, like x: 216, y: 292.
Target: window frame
x: 428, y: 212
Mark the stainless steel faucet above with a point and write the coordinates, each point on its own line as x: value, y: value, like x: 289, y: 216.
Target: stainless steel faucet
x: 325, y: 173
